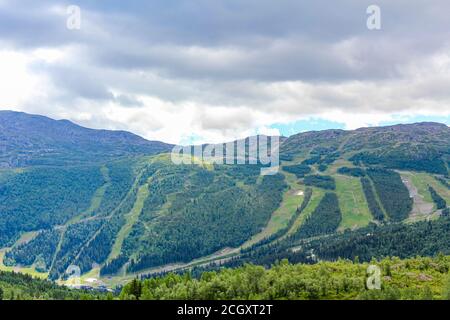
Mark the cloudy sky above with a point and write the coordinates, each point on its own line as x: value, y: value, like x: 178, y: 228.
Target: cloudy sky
x: 205, y: 71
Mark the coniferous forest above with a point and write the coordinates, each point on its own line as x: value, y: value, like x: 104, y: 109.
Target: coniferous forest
x: 329, y: 206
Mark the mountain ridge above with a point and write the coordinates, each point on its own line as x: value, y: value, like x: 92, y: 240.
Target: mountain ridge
x: 13, y: 115
x: 34, y: 139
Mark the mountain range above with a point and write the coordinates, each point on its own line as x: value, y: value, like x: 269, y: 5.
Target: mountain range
x: 114, y: 205
x: 27, y: 140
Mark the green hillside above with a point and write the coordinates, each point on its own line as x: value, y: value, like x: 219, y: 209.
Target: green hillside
x: 139, y: 213
x: 415, y: 278
x: 16, y: 286
x: 418, y: 278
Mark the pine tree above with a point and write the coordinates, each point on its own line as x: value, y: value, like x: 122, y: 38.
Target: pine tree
x: 136, y: 288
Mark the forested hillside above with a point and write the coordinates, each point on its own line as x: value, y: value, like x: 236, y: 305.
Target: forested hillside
x: 419, y: 278
x: 36, y: 199
x: 114, y: 204
x: 416, y: 278
x: 425, y: 238
x: 16, y: 286
x: 417, y: 147
x: 156, y: 213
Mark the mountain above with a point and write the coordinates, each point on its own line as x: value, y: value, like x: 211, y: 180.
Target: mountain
x: 27, y: 140
x: 423, y: 146
x: 115, y: 205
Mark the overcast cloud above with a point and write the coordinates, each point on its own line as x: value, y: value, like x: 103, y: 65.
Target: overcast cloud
x: 200, y: 70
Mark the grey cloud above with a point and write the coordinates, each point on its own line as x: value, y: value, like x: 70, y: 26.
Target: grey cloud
x: 210, y: 120
x: 35, y: 24
x: 129, y: 101
x: 272, y: 40
x: 77, y: 81
x: 286, y: 57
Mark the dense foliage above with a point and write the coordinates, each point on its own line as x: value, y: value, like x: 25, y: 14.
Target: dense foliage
x: 88, y: 236
x: 438, y: 200
x: 402, y: 240
x: 38, y: 251
x: 419, y: 278
x: 299, y: 170
x: 372, y: 202
x: 322, y: 156
x: 425, y: 238
x: 40, y: 198
x: 324, y: 182
x: 96, y: 213
x: 210, y: 211
x: 71, y: 243
x: 97, y: 250
x: 312, y: 160
x: 325, y: 218
x: 16, y: 286
x: 355, y: 172
x: 428, y: 163
x: 393, y: 194
x: 283, y: 231
x: 120, y: 177
x: 113, y: 266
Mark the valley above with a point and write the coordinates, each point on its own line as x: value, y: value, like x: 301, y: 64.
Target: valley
x: 121, y: 215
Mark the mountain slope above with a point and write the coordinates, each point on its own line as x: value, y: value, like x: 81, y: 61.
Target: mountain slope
x: 112, y: 207
x: 27, y: 140
x: 415, y: 278
x: 420, y: 146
